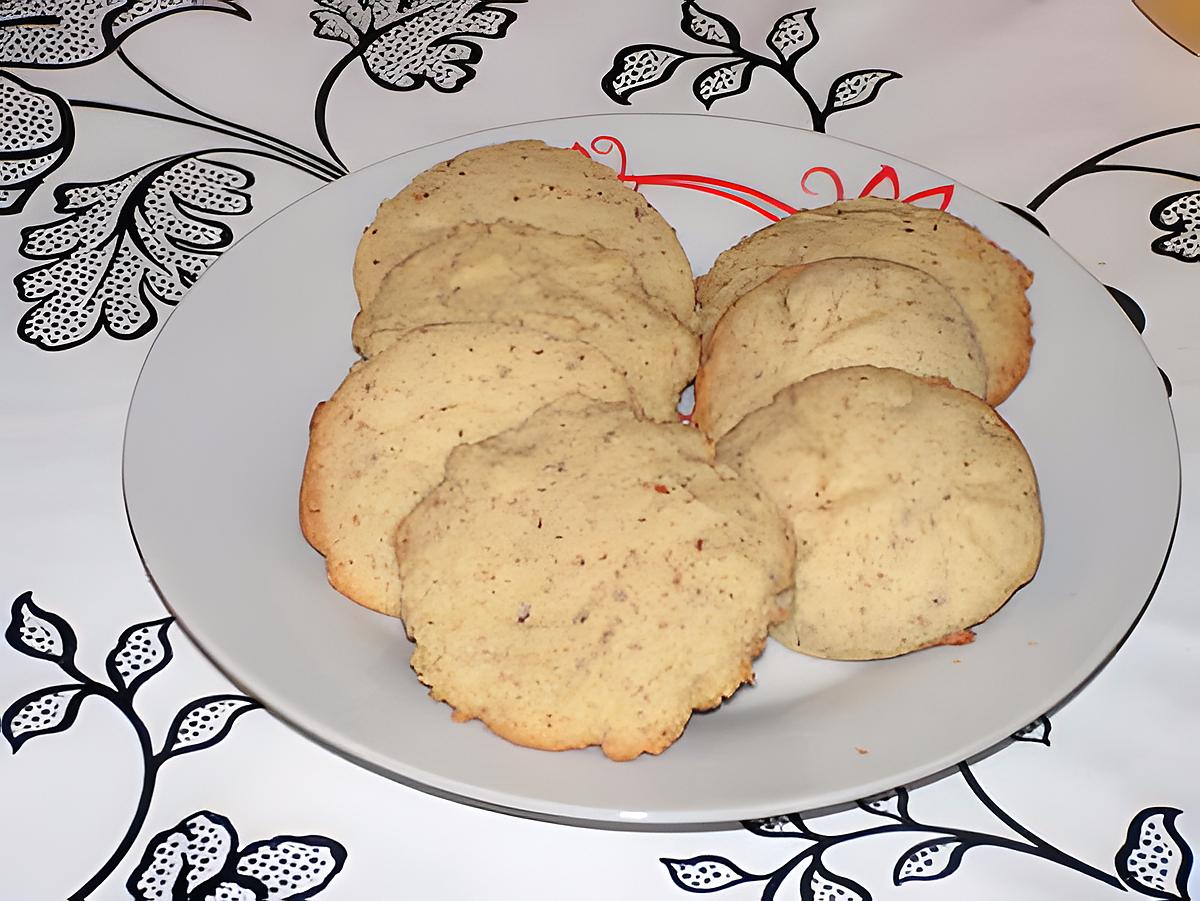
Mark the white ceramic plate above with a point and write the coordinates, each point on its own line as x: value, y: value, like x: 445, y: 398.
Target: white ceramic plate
x: 218, y: 430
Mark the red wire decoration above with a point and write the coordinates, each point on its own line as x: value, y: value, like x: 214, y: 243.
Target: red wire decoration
x: 762, y: 203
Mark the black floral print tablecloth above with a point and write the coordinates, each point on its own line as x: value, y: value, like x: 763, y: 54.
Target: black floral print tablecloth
x: 140, y: 138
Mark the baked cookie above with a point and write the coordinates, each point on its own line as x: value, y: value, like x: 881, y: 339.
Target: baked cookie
x: 588, y: 578
x: 380, y: 443
x: 565, y: 285
x: 988, y: 283
x: 528, y: 182
x: 914, y: 507
x: 830, y: 314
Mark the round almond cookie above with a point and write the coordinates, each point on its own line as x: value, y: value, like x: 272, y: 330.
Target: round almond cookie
x: 565, y: 285
x: 830, y: 314
x: 533, y: 183
x: 914, y: 507
x: 988, y: 283
x: 380, y: 443
x: 589, y: 578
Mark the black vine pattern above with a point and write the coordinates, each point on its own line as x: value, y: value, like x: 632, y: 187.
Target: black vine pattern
x: 641, y: 66
x: 1178, y: 214
x: 140, y: 239
x: 1129, y: 307
x: 36, y: 134
x: 57, y: 34
x: 406, y: 44
x: 1154, y: 860
x: 199, y: 860
x: 141, y: 651
x: 126, y: 244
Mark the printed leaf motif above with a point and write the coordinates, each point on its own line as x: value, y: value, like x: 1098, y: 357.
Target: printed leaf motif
x: 1180, y: 215
x: 1155, y: 859
x: 230, y: 891
x: 125, y: 243
x: 407, y: 45
x: 36, y: 134
x: 39, y: 633
x: 193, y: 852
x: 292, y: 866
x: 893, y: 805
x: 724, y: 80
x: 141, y: 651
x: 205, y: 722
x: 819, y: 884
x: 793, y: 35
x: 1037, y: 731
x: 931, y: 859
x: 55, y: 34
x: 359, y: 14
x: 772, y: 827
x: 639, y: 67
x: 42, y: 712
x: 857, y: 88
x: 708, y: 27
x: 1132, y: 309
x: 706, y: 874
x: 333, y: 27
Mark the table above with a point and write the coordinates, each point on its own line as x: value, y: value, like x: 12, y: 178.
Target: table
x: 1084, y: 117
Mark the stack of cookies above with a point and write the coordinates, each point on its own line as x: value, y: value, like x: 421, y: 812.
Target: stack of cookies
x: 504, y: 468
x: 851, y: 358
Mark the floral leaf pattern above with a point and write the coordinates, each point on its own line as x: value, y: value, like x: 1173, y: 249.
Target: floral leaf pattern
x: 793, y: 35
x: 708, y: 27
x: 1037, y: 731
x: 55, y: 34
x: 292, y: 867
x: 819, y: 884
x: 1179, y: 215
x: 406, y: 46
x: 205, y: 722
x: 705, y: 874
x: 40, y: 633
x: 724, y: 80
x: 639, y: 67
x: 782, y: 826
x: 124, y: 244
x: 857, y: 88
x: 893, y: 805
x: 141, y: 651
x: 188, y: 854
x: 36, y: 134
x: 931, y: 859
x: 42, y: 712
x: 1133, y: 310
x: 1155, y: 860
x: 198, y: 860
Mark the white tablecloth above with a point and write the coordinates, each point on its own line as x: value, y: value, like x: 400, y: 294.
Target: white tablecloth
x: 1012, y: 99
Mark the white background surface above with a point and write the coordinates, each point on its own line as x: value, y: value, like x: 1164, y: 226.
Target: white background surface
x: 1005, y: 97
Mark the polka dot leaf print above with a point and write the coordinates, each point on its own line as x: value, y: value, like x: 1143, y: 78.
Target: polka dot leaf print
x: 125, y: 246
x: 59, y: 34
x: 199, y: 860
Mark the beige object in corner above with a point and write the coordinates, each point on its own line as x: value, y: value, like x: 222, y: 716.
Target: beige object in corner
x: 380, y: 443
x: 564, y: 285
x: 831, y: 314
x: 988, y: 283
x: 588, y: 578
x: 914, y: 507
x: 533, y: 183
